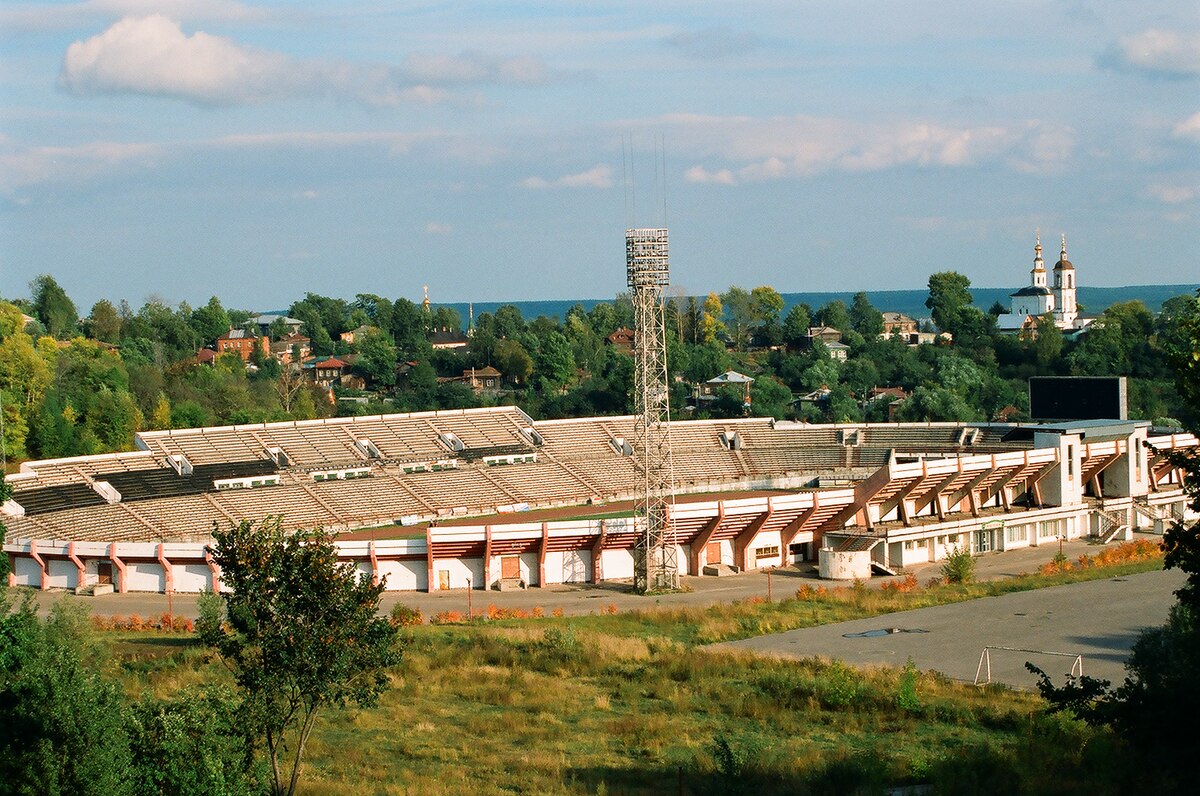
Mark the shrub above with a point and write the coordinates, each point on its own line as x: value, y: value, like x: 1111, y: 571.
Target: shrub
x: 839, y: 686
x: 734, y: 756
x: 959, y: 566
x: 447, y: 618
x: 562, y: 640
x: 403, y: 616
x: 906, y: 689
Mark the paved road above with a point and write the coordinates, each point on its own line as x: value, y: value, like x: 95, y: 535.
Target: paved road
x: 1098, y: 619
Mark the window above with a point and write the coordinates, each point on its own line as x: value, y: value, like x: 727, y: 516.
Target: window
x: 766, y: 552
x: 1071, y: 461
x: 1016, y: 533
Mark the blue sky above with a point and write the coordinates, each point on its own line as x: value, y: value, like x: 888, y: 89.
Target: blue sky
x: 185, y: 148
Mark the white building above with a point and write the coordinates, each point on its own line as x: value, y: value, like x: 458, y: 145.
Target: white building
x: 1037, y: 299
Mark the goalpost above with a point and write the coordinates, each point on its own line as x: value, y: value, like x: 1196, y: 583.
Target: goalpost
x: 983, y: 672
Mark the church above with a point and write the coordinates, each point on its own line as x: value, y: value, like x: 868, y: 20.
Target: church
x: 1036, y: 299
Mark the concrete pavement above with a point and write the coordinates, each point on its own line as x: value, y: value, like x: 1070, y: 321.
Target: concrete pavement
x: 1099, y: 620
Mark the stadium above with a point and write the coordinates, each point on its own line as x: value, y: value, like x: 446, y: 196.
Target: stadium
x: 482, y: 498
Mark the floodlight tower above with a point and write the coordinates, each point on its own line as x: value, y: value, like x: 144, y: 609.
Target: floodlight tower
x: 656, y: 563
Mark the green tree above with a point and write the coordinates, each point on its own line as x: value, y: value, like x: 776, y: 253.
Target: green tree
x: 63, y: 728
x: 795, y: 325
x: 513, y: 360
x: 949, y: 295
x: 377, y: 357
x: 834, y: 315
x: 299, y: 632
x: 864, y: 318
x: 104, y: 323
x: 210, y: 321
x: 53, y: 307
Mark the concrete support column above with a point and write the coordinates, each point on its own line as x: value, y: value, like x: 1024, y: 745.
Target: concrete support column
x: 44, y: 582
x: 122, y: 580
x: 79, y: 568
x: 168, y: 576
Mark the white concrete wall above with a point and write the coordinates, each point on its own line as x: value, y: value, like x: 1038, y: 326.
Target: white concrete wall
x: 617, y: 564
x: 192, y: 577
x: 143, y: 576
x: 63, y: 574
x: 404, y: 575
x: 844, y: 565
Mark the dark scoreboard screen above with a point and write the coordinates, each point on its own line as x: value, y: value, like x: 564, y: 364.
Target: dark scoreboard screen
x: 1078, y: 398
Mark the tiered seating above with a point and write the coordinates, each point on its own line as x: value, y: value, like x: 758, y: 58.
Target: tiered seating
x: 376, y: 499
x: 297, y: 507
x: 181, y: 518
x: 576, y: 440
x: 764, y: 461
x: 46, y: 499
x: 107, y: 523
x: 451, y: 489
x: 705, y: 466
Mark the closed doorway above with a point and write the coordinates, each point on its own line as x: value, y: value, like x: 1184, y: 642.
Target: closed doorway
x: 104, y: 572
x: 510, y: 567
x: 712, y: 553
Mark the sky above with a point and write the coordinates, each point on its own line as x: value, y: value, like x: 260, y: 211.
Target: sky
x: 492, y: 151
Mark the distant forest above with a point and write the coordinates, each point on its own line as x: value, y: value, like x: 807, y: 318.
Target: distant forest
x: 75, y: 383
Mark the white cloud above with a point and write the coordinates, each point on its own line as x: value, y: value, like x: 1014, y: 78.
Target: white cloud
x: 712, y: 43
x: 761, y: 149
x: 438, y: 228
x: 28, y: 16
x: 1156, y: 52
x: 152, y: 55
x: 1188, y: 129
x: 596, y: 177
x: 1171, y: 194
x: 702, y: 176
x: 33, y: 165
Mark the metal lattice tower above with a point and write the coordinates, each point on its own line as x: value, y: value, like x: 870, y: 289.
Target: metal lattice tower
x: 656, y: 562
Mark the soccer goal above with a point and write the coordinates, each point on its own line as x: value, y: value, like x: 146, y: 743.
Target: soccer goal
x: 983, y: 672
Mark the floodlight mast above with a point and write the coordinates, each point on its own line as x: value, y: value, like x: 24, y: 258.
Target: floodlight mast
x: 656, y: 560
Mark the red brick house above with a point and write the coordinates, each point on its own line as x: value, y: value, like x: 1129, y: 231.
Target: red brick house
x: 243, y: 342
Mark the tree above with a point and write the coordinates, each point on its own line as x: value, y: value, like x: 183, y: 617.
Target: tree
x: 949, y: 294
x: 377, y: 357
x: 834, y: 315
x: 104, y: 323
x: 62, y: 726
x: 53, y: 307
x: 795, y: 325
x: 210, y: 321
x: 299, y: 632
x: 864, y: 318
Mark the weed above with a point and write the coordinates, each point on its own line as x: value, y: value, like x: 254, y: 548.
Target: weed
x: 403, y: 616
x: 959, y: 566
x: 906, y: 688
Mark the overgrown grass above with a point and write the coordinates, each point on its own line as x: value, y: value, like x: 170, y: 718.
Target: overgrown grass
x: 631, y: 703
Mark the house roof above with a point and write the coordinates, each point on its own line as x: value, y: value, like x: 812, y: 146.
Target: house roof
x: 1032, y: 290
x: 897, y: 317
x: 238, y: 334
x: 730, y: 377
x: 332, y: 362
x: 447, y: 336
x: 206, y: 355
x: 268, y: 318
x: 485, y: 371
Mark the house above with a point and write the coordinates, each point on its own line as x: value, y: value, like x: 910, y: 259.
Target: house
x: 263, y: 323
x: 708, y: 390
x: 352, y: 335
x: 448, y: 340
x: 206, y: 356
x: 897, y: 323
x: 486, y: 379
x: 838, y: 351
x: 328, y: 372
x: 826, y: 334
x: 293, y: 347
x: 621, y: 339
x: 243, y: 342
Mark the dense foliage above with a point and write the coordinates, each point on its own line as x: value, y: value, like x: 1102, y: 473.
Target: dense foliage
x: 84, y: 385
x: 298, y: 631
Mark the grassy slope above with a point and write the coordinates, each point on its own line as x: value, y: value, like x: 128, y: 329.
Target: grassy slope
x: 630, y: 703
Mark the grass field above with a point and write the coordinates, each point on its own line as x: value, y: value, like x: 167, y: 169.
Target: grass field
x: 633, y: 703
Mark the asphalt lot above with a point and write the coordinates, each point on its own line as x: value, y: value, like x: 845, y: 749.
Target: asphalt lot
x: 1098, y: 619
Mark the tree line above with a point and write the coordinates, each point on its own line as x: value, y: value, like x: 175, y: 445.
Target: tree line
x: 75, y: 384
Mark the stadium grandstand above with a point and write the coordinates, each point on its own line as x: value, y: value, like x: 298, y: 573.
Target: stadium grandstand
x: 436, y: 500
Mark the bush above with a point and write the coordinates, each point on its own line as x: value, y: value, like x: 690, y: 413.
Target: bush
x: 403, y: 616
x: 906, y: 689
x: 959, y: 566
